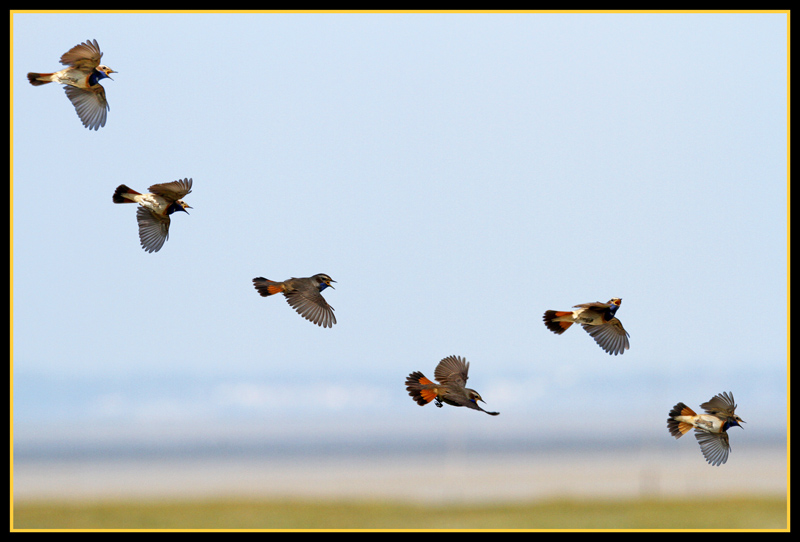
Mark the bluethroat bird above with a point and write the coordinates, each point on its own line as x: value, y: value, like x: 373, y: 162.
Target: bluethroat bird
x: 82, y: 80
x: 597, y: 319
x: 154, y: 209
x: 304, y: 295
x: 451, y: 374
x: 711, y: 429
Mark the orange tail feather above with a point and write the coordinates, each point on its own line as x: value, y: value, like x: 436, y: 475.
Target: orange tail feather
x: 119, y: 194
x: 684, y: 427
x: 37, y: 79
x: 556, y: 327
x: 427, y: 395
x: 267, y: 287
x: 415, y: 383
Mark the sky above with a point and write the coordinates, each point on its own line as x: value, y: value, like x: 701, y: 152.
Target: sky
x: 455, y: 174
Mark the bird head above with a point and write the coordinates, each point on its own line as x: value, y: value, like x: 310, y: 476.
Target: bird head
x: 474, y: 396
x: 179, y: 205
x: 614, y: 303
x: 324, y: 281
x: 734, y: 420
x: 103, y: 71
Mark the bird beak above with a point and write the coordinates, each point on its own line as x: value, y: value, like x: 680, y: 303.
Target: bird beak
x: 331, y: 285
x: 184, y: 209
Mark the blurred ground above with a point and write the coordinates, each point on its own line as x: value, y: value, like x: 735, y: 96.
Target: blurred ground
x: 663, y: 487
x: 737, y: 513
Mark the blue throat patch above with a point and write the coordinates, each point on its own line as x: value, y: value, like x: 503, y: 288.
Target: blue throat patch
x: 174, y: 207
x: 95, y: 77
x: 729, y: 423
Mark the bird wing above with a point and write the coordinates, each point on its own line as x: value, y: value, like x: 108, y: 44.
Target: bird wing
x: 452, y: 369
x: 172, y: 191
x: 596, y: 305
x: 91, y: 105
x: 310, y: 304
x: 715, y: 446
x: 84, y: 55
x: 153, y: 229
x: 611, y: 336
x: 720, y: 405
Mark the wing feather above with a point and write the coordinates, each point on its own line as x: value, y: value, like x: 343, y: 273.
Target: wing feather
x: 91, y: 105
x: 611, y: 336
x: 172, y: 191
x: 153, y: 229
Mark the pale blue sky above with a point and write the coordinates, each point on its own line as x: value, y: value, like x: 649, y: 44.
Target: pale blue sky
x: 456, y: 174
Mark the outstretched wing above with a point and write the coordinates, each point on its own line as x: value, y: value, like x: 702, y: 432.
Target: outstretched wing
x: 310, y: 304
x: 85, y: 55
x: 611, y: 336
x: 715, y: 446
x: 91, y: 105
x: 452, y: 369
x: 600, y: 307
x: 172, y: 191
x: 153, y: 229
x: 720, y: 405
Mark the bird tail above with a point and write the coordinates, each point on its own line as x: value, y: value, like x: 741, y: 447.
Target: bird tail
x: 37, y: 79
x: 121, y: 192
x: 267, y: 287
x: 677, y: 428
x: 556, y: 327
x: 415, y: 384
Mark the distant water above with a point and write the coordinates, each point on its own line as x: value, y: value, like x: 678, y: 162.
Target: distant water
x: 444, y: 475
x: 151, y: 439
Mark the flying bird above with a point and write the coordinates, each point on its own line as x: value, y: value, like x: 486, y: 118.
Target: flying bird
x: 82, y: 80
x: 451, y: 374
x: 597, y: 319
x: 710, y: 429
x: 155, y: 208
x: 304, y: 295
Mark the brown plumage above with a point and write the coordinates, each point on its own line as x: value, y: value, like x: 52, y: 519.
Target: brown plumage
x: 82, y: 82
x: 451, y: 374
x: 155, y: 208
x: 304, y: 295
x: 710, y: 429
x: 597, y: 319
